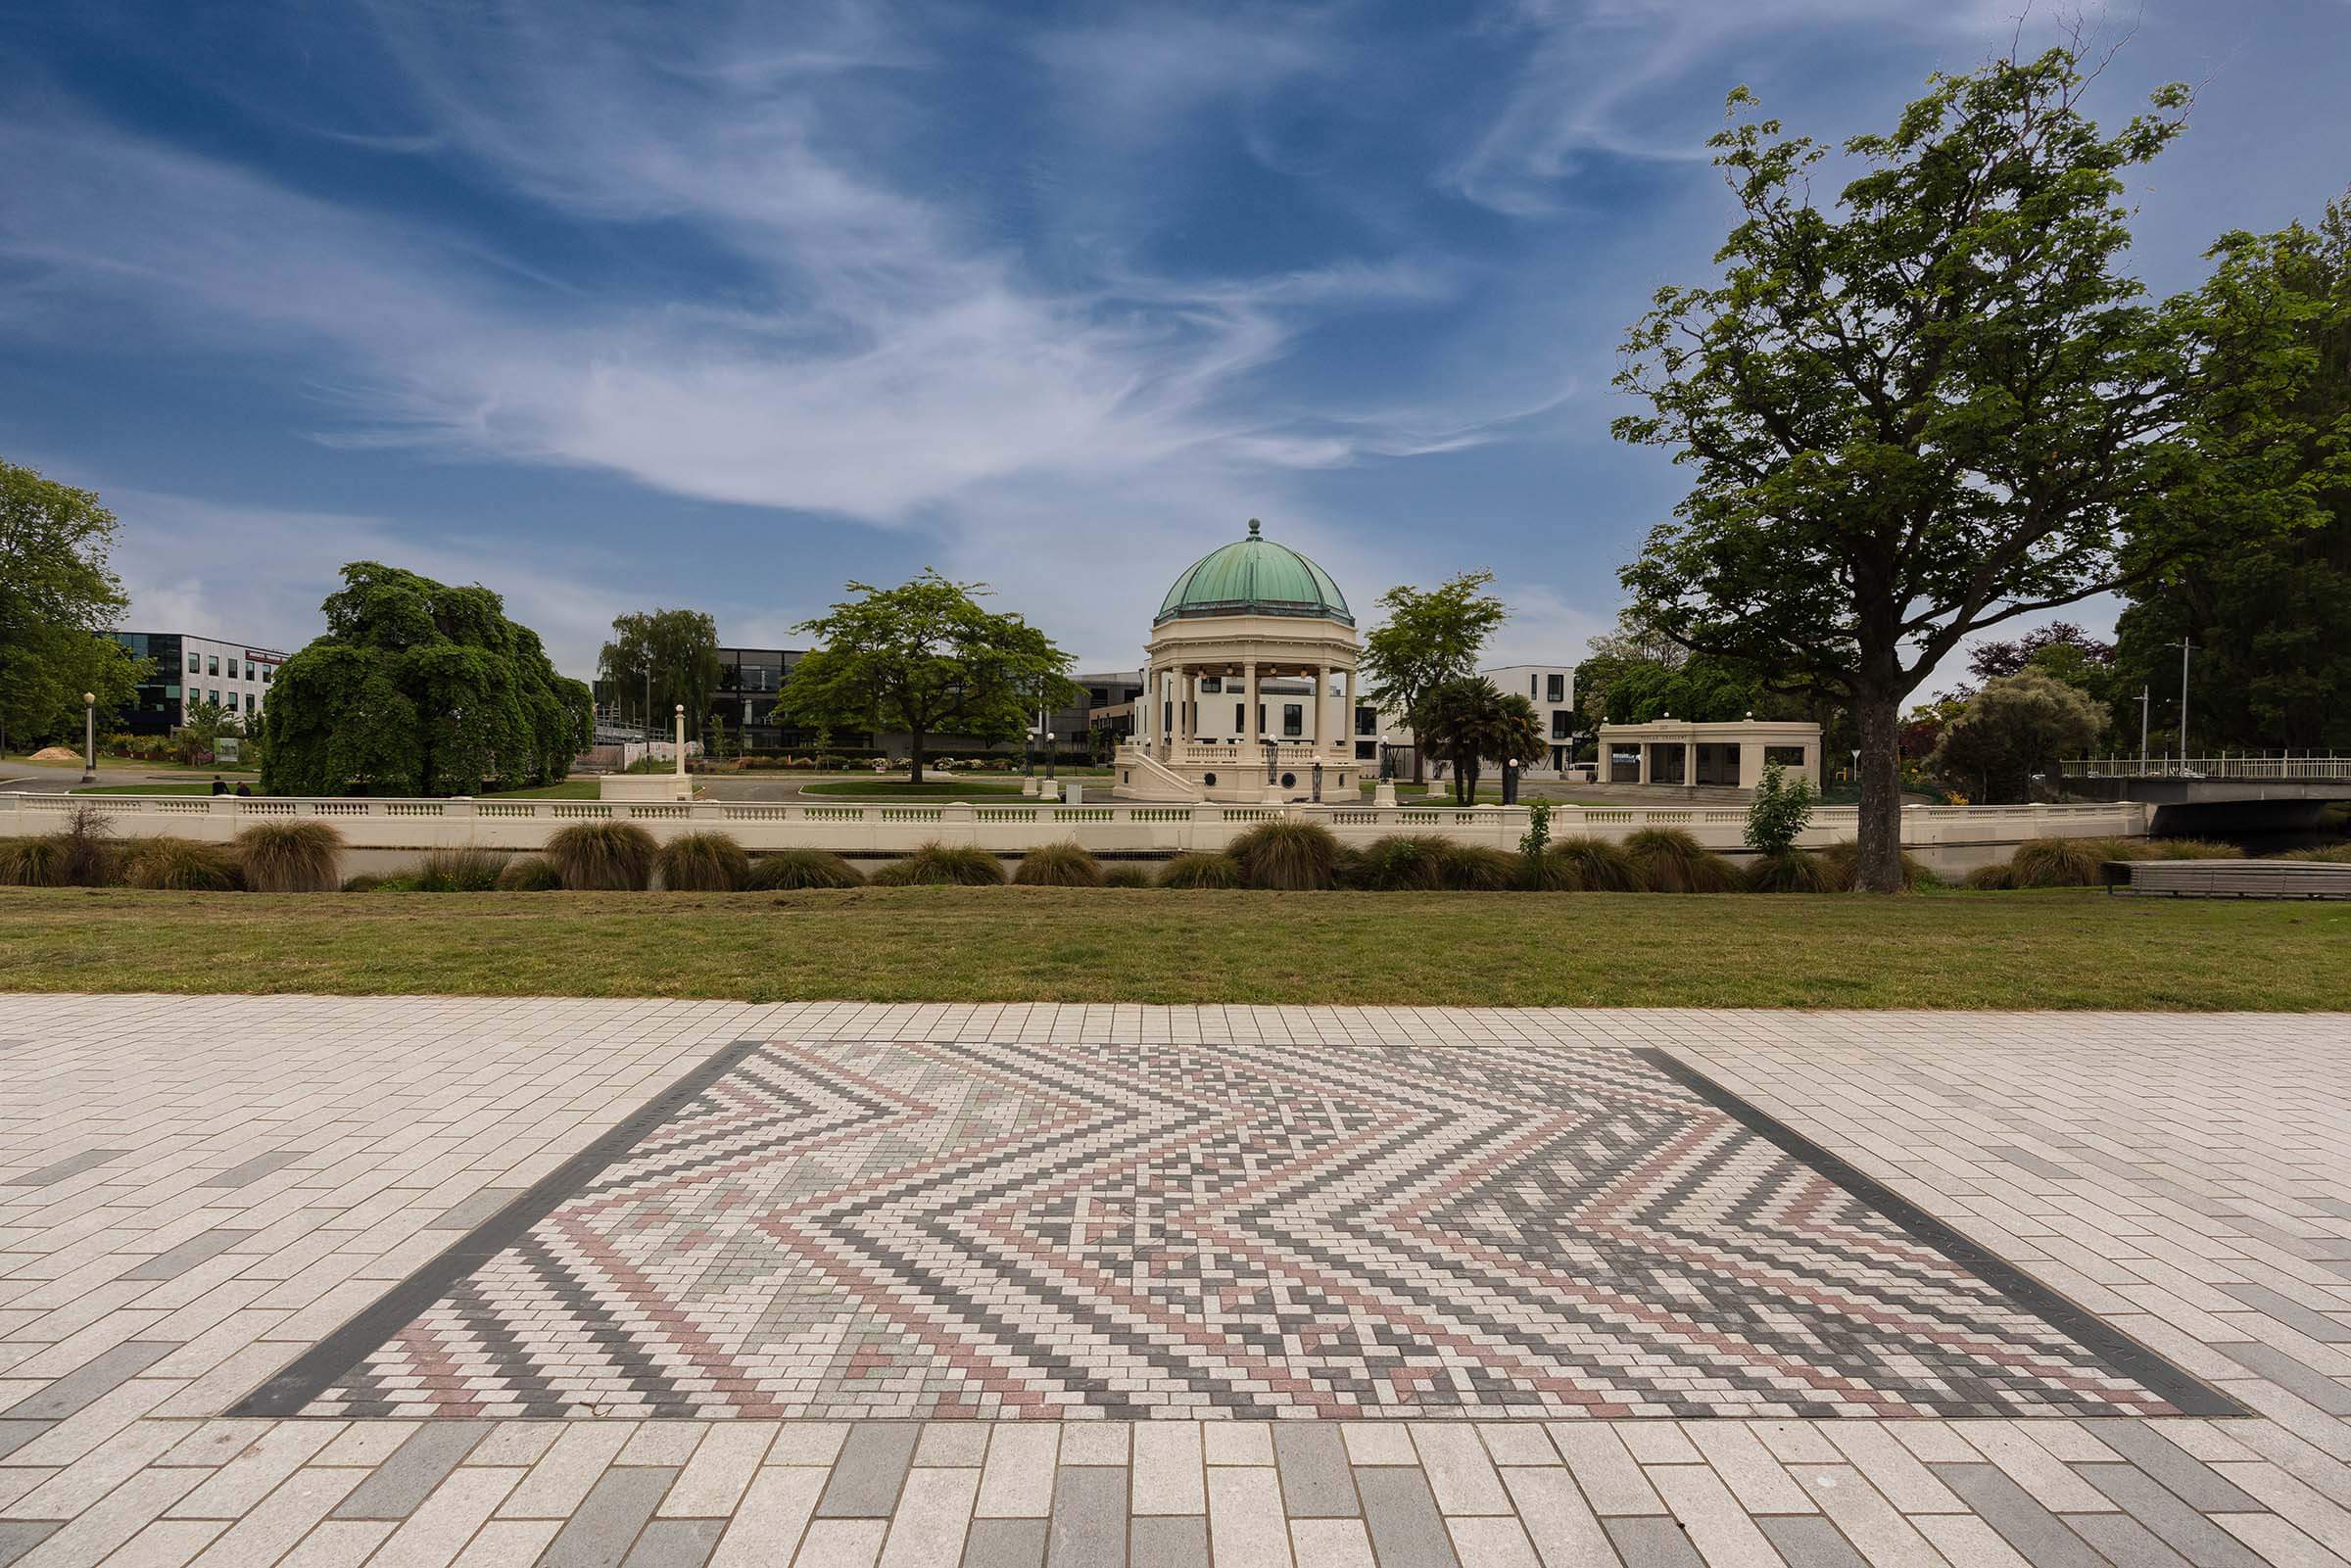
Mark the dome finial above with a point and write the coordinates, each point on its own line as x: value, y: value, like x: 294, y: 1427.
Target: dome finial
x: 1253, y: 526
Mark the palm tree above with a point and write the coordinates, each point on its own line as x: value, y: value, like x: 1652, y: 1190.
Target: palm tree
x: 1470, y: 719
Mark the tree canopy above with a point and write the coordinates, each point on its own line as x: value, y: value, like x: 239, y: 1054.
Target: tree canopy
x: 1936, y: 406
x: 676, y: 648
x: 419, y: 688
x: 1468, y: 720
x: 58, y: 596
x: 1431, y: 636
x: 925, y: 658
x: 2017, y: 727
x: 2270, y: 615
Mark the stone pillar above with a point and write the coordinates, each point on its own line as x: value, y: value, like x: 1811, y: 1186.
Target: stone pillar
x: 1689, y: 765
x: 1249, y: 715
x: 1187, y: 687
x: 1322, y: 709
x: 1347, y: 717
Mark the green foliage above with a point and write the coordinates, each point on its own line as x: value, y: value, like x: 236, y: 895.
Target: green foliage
x: 1585, y: 864
x: 1780, y: 812
x: 1400, y: 863
x: 1129, y: 875
x: 461, y: 869
x: 797, y: 869
x: 1066, y: 864
x: 1672, y: 860
x: 1481, y: 867
x: 2329, y: 854
x: 1468, y: 720
x: 202, y: 725
x: 1429, y: 638
x: 1288, y: 854
x: 83, y: 853
x: 419, y: 688
x: 179, y: 864
x: 1198, y: 870
x: 924, y: 658
x: 527, y: 873
x: 58, y: 594
x: 614, y: 856
x: 704, y: 862
x: 290, y: 856
x: 1937, y: 404
x: 949, y: 865
x: 1703, y: 688
x: 2191, y: 849
x: 678, y: 649
x: 1537, y: 838
x: 1785, y: 871
x: 2018, y: 726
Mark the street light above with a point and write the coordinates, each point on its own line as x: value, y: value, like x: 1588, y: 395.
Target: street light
x: 1510, y: 781
x: 89, y: 737
x: 1049, y: 755
x: 1387, y: 763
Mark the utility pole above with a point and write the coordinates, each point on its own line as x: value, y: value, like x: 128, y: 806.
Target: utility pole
x: 2184, y: 645
x: 2146, y: 693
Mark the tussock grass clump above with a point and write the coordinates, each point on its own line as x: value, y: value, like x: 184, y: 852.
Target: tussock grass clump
x: 1841, y: 868
x: 463, y: 869
x: 792, y: 871
x: 615, y: 856
x: 1672, y: 860
x: 1399, y: 862
x: 1125, y: 875
x: 704, y: 862
x: 1789, y: 871
x: 948, y: 865
x: 2328, y: 854
x: 1287, y: 854
x: 369, y: 882
x: 166, y: 864
x: 1997, y: 878
x: 1201, y: 871
x: 1481, y: 869
x: 1583, y: 864
x: 2068, y: 862
x: 1058, y: 866
x: 290, y: 857
x: 2192, y: 849
x: 80, y: 854
x: 528, y: 873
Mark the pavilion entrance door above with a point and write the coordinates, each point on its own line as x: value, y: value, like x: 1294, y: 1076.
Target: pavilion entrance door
x: 1718, y: 764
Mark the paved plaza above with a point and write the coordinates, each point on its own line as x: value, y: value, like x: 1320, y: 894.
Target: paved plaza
x: 400, y: 1281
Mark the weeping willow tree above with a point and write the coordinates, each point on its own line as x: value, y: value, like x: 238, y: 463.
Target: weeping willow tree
x: 419, y: 688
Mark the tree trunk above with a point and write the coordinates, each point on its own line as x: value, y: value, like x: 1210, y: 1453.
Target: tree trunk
x: 1420, y: 754
x: 916, y: 735
x: 1879, y: 866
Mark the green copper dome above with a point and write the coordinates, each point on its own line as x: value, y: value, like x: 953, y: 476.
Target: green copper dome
x: 1255, y: 576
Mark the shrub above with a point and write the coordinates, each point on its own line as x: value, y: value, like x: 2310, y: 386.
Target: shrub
x: 2192, y: 849
x: 369, y: 883
x: 1201, y: 871
x: 1127, y: 875
x: 1998, y: 877
x: 1588, y: 865
x: 181, y: 865
x: 790, y: 871
x: 2331, y: 854
x: 1841, y: 868
x: 290, y: 856
x: 529, y: 874
x: 2068, y: 862
x: 80, y: 854
x: 1481, y: 868
x: 951, y: 865
x: 1780, y: 812
x: 1785, y: 871
x: 610, y: 855
x: 1672, y: 860
x: 1288, y: 854
x: 704, y: 862
x: 1058, y: 866
x: 1401, y: 863
x: 463, y: 869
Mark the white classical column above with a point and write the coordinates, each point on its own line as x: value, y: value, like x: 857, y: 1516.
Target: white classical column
x: 1347, y: 716
x: 1249, y: 713
x: 1186, y: 724
x: 1322, y: 709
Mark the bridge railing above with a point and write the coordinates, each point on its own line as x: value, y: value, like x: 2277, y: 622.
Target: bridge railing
x: 2281, y: 767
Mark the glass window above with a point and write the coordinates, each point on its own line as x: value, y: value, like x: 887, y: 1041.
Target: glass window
x: 1293, y: 718
x: 1784, y: 756
x: 212, y: 664
x: 1240, y: 718
x: 1367, y: 720
x: 195, y: 664
x: 1367, y: 751
x: 173, y: 692
x: 268, y: 670
x: 1556, y: 688
x: 1561, y: 723
x: 1213, y: 685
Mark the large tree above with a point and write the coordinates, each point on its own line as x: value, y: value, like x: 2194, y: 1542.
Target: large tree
x: 671, y: 653
x: 1935, y: 407
x: 1470, y: 719
x: 1429, y: 637
x: 2017, y: 727
x: 2270, y: 618
x: 58, y: 598
x: 419, y: 688
x: 924, y: 657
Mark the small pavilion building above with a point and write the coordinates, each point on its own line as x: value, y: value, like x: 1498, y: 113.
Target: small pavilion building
x: 1674, y: 753
x: 1249, y: 685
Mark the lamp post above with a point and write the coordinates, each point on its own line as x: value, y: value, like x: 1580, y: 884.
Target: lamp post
x: 2145, y: 695
x: 681, y: 729
x: 2184, y: 645
x: 1385, y: 794
x: 89, y: 737
x: 1510, y: 781
x: 1050, y: 759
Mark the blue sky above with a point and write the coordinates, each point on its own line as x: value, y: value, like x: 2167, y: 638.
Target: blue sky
x: 720, y: 305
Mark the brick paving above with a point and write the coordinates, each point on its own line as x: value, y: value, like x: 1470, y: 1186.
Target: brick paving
x: 199, y: 1195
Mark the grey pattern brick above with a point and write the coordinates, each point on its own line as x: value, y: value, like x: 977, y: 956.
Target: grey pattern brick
x: 468, y: 1212
x: 2303, y: 1320
x: 1315, y: 1483
x: 1400, y: 1513
x: 2038, y: 1535
x: 1809, y: 1541
x: 14, y: 1435
x: 70, y: 1166
x: 1652, y: 1543
x: 415, y: 1468
x: 177, y: 1260
x: 601, y: 1531
x: 2196, y: 1482
x: 2327, y: 1393
x: 2172, y: 1522
x: 88, y: 1381
x: 1170, y: 1541
x: 871, y: 1469
x: 675, y: 1544
x: 20, y: 1536
x: 1005, y: 1544
x: 253, y: 1169
x: 2124, y: 1542
x: 1089, y: 1517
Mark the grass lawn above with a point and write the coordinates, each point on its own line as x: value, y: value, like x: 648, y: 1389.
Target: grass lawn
x: 191, y: 786
x: 887, y: 789
x: 2066, y: 949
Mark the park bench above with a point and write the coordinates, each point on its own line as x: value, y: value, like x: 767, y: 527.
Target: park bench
x: 2229, y: 878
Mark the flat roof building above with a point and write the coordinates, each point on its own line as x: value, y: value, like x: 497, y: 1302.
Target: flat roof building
x: 190, y: 670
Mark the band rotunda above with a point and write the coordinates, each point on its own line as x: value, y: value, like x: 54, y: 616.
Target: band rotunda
x: 1249, y: 689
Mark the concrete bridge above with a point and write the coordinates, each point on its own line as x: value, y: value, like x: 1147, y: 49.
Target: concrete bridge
x: 2214, y: 796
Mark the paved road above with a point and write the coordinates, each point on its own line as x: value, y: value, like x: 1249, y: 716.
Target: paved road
x: 1260, y: 1262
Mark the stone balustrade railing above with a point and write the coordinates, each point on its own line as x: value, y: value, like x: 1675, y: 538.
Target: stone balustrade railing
x: 1010, y: 826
